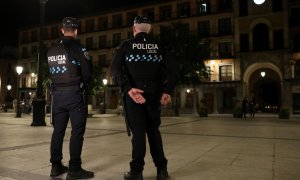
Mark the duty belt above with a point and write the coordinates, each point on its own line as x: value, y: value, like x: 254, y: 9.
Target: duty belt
x: 67, y: 88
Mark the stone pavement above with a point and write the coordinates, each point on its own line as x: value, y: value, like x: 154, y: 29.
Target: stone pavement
x: 213, y: 148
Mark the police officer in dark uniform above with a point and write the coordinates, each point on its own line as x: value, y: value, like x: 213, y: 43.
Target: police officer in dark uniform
x: 146, y: 76
x: 70, y: 72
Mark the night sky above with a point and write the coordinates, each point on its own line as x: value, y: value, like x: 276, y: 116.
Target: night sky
x: 15, y: 14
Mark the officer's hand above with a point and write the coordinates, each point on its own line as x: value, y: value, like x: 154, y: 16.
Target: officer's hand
x: 136, y: 95
x: 165, y: 99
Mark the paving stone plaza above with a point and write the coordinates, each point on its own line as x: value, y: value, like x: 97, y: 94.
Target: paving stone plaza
x: 217, y: 147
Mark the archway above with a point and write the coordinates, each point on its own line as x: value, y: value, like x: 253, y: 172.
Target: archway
x: 266, y: 89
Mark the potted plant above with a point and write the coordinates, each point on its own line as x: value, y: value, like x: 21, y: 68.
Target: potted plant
x: 202, y: 110
x: 284, y: 113
x: 237, y: 110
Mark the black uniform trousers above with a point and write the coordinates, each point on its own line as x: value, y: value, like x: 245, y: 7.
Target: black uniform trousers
x: 68, y: 105
x: 145, y: 119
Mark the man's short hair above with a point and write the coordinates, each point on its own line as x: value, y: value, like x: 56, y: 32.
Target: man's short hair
x: 70, y: 23
x: 142, y: 23
x: 141, y: 19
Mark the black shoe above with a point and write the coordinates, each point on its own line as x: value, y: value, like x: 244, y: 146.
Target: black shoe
x: 80, y: 174
x: 57, y: 170
x: 133, y: 176
x: 163, y: 175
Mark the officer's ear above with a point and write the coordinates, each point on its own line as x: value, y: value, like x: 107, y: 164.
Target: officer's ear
x: 62, y: 30
x: 76, y: 31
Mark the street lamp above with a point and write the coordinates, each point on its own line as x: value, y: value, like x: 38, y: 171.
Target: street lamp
x: 38, y: 103
x: 8, y: 87
x: 104, y: 88
x: 19, y: 70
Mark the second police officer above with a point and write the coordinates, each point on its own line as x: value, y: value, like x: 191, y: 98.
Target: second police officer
x: 146, y: 76
x: 70, y: 73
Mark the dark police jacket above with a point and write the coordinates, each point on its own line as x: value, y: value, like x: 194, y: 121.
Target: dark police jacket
x: 69, y: 64
x: 141, y: 63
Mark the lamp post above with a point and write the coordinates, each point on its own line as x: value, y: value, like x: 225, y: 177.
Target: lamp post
x: 104, y: 89
x: 38, y: 103
x: 19, y: 70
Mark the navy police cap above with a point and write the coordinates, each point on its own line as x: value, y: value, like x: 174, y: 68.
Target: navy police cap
x: 141, y: 19
x: 70, y: 22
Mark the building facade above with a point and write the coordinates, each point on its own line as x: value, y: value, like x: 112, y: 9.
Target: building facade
x: 244, y: 40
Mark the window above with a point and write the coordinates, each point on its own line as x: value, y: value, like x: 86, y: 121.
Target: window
x: 224, y: 5
x: 243, y: 8
x: 103, y: 23
x: 33, y: 81
x: 203, y: 7
x: 165, y: 13
x: 261, y: 37
x: 89, y: 26
x: 34, y: 49
x: 116, y: 39
x: 102, y: 41
x: 117, y: 21
x: 183, y: 10
x: 224, y: 26
x: 25, y: 52
x: 89, y: 43
x: 278, y: 39
x: 244, y: 43
x: 149, y: 13
x: 276, y: 5
x: 294, y: 17
x: 225, y: 49
x: 205, y: 50
x: 130, y: 17
x: 102, y: 61
x: 185, y: 29
x: 204, y: 28
x: 225, y: 73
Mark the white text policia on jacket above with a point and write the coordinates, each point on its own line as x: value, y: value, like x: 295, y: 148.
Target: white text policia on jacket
x: 151, y: 48
x: 61, y: 59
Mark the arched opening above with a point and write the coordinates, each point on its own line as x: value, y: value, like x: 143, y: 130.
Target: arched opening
x: 266, y: 90
x: 261, y: 37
